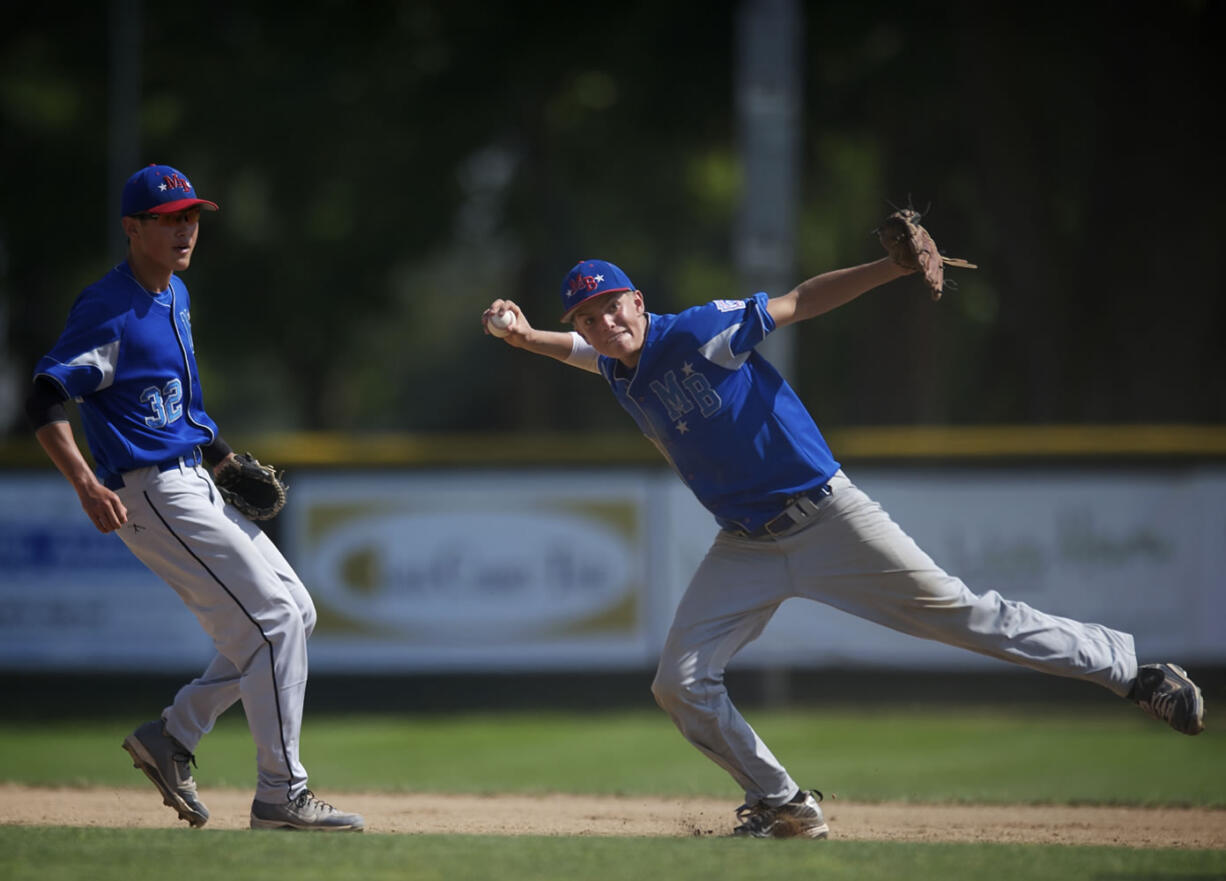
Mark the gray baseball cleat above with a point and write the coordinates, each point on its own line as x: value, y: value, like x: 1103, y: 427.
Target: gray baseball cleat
x: 799, y: 818
x: 304, y: 812
x: 167, y: 762
x: 1165, y: 692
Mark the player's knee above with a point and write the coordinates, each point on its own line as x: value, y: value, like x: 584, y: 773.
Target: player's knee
x: 670, y: 686
x: 664, y: 690
x: 284, y: 622
x: 674, y: 692
x: 309, y: 617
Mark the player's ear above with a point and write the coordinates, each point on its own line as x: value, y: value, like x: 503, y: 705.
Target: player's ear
x: 640, y: 306
x: 131, y: 226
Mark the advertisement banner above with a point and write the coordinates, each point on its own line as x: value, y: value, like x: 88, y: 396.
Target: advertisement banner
x: 72, y: 598
x: 474, y: 571
x: 581, y: 569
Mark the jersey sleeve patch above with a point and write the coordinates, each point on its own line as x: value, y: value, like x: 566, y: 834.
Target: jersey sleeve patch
x: 718, y: 350
x: 734, y: 336
x: 85, y: 374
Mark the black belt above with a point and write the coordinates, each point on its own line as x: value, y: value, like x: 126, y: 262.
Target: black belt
x: 191, y: 460
x: 799, y: 513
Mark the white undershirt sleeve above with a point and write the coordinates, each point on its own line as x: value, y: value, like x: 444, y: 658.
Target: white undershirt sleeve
x: 582, y: 355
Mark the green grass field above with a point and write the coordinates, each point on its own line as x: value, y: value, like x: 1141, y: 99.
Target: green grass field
x: 122, y: 855
x: 933, y: 755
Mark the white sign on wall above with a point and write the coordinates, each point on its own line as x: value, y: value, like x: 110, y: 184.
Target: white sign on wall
x: 74, y: 598
x: 474, y: 571
x: 582, y: 569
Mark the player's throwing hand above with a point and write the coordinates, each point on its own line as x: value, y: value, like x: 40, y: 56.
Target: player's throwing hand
x: 504, y: 320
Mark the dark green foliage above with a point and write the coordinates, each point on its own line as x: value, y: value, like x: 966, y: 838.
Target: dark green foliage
x: 385, y: 171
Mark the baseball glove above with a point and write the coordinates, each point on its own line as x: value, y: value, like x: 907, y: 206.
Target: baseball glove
x: 911, y: 247
x: 256, y: 490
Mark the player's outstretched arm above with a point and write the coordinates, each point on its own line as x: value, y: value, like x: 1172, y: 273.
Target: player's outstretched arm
x: 828, y: 291
x: 105, y: 509
x: 522, y: 335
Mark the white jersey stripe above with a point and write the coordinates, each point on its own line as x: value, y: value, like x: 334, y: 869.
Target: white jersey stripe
x: 104, y: 358
x: 718, y: 350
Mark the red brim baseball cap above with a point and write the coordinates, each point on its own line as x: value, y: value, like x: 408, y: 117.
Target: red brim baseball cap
x: 160, y: 189
x: 588, y: 279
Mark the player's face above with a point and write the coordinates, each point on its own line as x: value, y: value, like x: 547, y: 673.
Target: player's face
x: 165, y: 241
x: 615, y: 325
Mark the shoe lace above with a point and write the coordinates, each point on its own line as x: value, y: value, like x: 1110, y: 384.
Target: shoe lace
x: 185, y: 758
x: 757, y: 817
x: 1164, y: 704
x: 309, y: 799
x: 179, y: 754
x: 1159, y: 697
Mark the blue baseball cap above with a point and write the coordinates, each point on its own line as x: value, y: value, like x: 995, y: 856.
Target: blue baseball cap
x: 160, y: 189
x: 591, y: 278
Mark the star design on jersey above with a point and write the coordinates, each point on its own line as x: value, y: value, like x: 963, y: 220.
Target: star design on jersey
x: 682, y: 427
x: 687, y: 368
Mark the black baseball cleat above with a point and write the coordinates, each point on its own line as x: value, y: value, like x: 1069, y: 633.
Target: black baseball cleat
x: 167, y: 763
x: 1165, y: 692
x: 799, y: 818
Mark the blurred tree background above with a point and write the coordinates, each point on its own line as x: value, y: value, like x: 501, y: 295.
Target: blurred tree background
x: 385, y: 169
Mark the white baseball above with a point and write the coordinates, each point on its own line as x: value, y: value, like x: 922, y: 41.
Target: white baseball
x: 500, y: 322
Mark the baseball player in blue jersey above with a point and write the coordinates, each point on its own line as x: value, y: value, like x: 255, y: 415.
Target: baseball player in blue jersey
x: 792, y: 524
x: 126, y: 357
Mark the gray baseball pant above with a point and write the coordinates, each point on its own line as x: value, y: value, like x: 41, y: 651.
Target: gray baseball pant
x: 855, y: 558
x: 247, y: 598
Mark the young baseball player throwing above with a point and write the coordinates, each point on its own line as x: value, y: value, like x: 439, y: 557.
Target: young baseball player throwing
x: 126, y: 356
x: 792, y: 523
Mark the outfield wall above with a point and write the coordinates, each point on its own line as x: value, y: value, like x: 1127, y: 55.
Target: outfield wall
x: 565, y: 569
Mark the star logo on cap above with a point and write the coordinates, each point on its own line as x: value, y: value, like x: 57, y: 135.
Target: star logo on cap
x: 162, y: 187
x: 599, y: 278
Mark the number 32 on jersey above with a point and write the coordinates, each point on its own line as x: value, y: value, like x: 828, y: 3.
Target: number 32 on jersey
x: 166, y: 403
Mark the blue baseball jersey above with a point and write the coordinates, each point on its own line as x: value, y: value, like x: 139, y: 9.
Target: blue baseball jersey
x: 727, y: 422
x: 126, y: 356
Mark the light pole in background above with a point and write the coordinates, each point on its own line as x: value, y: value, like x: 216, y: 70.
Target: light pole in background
x: 123, y: 112
x: 768, y: 100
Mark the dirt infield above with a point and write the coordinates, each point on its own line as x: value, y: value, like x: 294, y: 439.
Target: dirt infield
x: 424, y: 813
